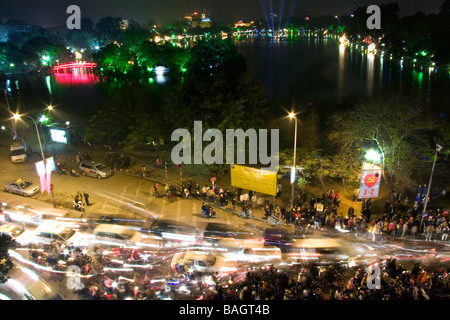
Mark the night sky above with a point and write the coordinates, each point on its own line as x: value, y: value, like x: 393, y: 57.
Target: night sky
x: 51, y: 13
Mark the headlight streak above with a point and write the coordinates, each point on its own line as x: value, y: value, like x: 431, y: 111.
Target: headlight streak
x: 20, y: 258
x: 127, y: 204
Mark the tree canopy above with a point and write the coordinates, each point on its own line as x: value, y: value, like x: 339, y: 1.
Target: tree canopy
x: 399, y: 128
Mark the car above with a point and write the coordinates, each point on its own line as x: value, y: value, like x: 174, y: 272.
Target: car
x: 21, y: 235
x: 173, y: 232
x: 48, y: 233
x: 216, y: 231
x: 95, y: 169
x: 325, y: 251
x: 22, y: 187
x: 118, y: 235
x: 27, y: 215
x: 96, y: 219
x: 204, y: 261
x: 25, y: 284
x: 279, y: 238
x: 251, y: 250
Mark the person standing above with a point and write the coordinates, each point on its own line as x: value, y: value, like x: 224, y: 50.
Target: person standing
x: 78, y: 197
x: 267, y: 211
x: 86, y: 198
x: 78, y: 158
x: 156, y: 189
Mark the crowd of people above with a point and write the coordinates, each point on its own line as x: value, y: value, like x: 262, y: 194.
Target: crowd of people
x: 310, y: 283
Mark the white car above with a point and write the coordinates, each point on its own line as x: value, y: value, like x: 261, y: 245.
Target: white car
x: 47, y: 233
x: 204, y: 261
x: 251, y: 250
x: 323, y: 250
x: 23, y: 213
x: 20, y: 234
x: 96, y: 170
x: 22, y: 187
x: 118, y: 235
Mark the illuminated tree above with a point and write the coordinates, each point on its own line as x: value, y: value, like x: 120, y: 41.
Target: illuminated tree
x: 398, y: 128
x: 114, y: 59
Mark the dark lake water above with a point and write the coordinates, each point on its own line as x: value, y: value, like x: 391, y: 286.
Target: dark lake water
x: 320, y: 70
x: 294, y: 73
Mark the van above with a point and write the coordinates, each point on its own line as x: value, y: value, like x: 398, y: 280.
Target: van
x: 18, y: 150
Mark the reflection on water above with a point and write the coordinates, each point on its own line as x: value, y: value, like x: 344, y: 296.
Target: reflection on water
x: 295, y: 71
x: 370, y: 73
x: 320, y: 70
x: 341, y: 72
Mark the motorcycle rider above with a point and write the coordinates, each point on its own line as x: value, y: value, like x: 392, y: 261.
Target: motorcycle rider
x: 61, y: 169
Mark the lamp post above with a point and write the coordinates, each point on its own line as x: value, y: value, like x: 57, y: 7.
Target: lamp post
x: 292, y: 116
x: 17, y: 117
x: 12, y: 122
x: 438, y: 149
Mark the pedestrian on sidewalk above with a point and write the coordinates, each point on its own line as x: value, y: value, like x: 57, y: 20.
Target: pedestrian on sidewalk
x: 86, y: 198
x: 233, y: 204
x: 78, y: 197
x: 78, y: 158
x: 156, y: 189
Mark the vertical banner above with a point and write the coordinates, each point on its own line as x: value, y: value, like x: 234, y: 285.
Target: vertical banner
x: 40, y: 168
x: 369, y: 185
x: 44, y: 171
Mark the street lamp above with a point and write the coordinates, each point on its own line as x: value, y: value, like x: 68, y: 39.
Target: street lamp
x: 438, y: 149
x: 292, y: 116
x: 17, y: 117
x: 372, y: 155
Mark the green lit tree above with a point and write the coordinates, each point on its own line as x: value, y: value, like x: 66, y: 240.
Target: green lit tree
x: 399, y: 128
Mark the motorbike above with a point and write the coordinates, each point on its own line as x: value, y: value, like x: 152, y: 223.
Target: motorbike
x: 169, y: 195
x: 78, y: 206
x: 61, y: 169
x: 246, y: 213
x: 209, y: 212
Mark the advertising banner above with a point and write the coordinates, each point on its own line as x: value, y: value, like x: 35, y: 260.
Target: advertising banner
x: 370, y: 181
x: 263, y: 181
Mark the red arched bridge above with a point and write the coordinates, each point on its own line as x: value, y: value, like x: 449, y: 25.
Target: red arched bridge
x: 75, y: 73
x: 74, y: 66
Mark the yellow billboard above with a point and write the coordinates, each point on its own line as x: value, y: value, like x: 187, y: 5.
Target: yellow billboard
x: 257, y: 180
